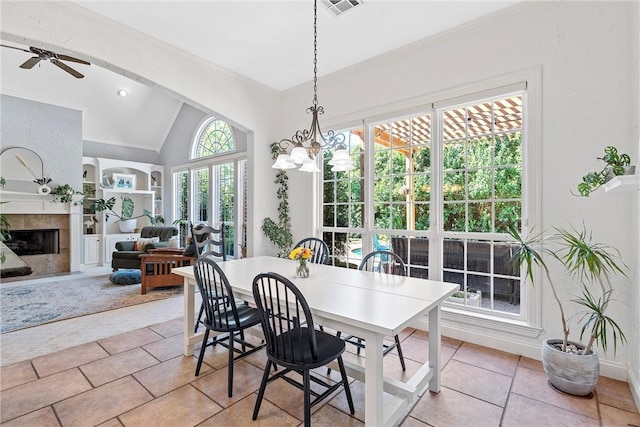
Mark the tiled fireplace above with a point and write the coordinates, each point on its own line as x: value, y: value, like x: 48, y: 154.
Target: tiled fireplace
x: 27, y: 211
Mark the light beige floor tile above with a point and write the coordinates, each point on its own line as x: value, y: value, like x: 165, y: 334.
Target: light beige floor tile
x: 618, y: 417
x: 533, y: 384
x: 167, y: 348
x: 239, y: 415
x: 170, y: 375
x: 526, y: 362
x: 102, y: 404
x: 16, y: 374
x: 69, y: 358
x: 120, y: 365
x: 185, y: 406
x: 413, y: 422
x: 330, y: 416
x: 485, y: 385
x: 37, y: 394
x: 170, y: 328
x: 487, y: 358
x: 113, y: 422
x: 357, y: 395
x: 418, y: 349
x: 451, y: 408
x: 128, y: 340
x: 41, y: 418
x: 615, y: 393
x: 246, y: 380
x: 522, y: 411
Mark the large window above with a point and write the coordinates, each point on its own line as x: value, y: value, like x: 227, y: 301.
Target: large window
x: 208, y: 190
x: 215, y: 137
x: 438, y: 187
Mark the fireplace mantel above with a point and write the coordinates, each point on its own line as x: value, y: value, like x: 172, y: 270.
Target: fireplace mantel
x: 14, y: 202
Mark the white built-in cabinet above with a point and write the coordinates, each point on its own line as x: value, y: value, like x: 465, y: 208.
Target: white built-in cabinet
x: 105, y: 178
x: 92, y: 250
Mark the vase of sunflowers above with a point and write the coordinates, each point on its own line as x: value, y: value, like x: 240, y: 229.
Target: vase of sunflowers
x: 301, y: 255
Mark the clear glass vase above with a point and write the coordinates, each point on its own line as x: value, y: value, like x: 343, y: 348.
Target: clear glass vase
x: 303, y: 268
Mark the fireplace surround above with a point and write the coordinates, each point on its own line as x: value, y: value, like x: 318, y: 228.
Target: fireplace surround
x: 26, y: 211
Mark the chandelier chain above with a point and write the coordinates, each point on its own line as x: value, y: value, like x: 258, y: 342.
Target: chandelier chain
x: 315, y: 53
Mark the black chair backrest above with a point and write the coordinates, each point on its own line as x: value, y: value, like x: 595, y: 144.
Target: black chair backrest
x: 286, y: 319
x: 383, y: 262
x: 218, y: 302
x: 318, y: 246
x: 203, y: 235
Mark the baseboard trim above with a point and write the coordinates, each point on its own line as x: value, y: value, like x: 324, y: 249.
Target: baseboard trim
x: 512, y: 345
x: 634, y: 386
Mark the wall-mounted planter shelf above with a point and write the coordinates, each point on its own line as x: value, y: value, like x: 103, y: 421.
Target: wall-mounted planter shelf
x: 623, y: 183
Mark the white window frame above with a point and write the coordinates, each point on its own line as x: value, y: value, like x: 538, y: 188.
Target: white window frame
x: 529, y: 323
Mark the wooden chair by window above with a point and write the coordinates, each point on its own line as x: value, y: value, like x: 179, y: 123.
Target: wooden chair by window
x: 319, y: 248
x: 293, y: 343
x: 223, y: 315
x: 384, y: 262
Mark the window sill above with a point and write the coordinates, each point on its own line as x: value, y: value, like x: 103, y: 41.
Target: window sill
x: 484, y: 321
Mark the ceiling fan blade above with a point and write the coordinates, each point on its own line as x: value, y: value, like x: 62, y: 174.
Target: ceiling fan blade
x: 16, y: 48
x: 68, y: 69
x: 29, y: 63
x: 72, y: 59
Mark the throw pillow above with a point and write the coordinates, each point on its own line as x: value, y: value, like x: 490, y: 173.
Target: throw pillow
x: 142, y: 243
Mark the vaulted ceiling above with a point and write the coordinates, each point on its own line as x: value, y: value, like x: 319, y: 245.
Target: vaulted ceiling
x: 268, y: 41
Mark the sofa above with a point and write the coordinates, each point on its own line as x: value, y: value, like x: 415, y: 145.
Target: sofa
x: 126, y: 255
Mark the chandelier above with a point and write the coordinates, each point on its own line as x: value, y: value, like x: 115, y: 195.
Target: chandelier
x: 306, y: 144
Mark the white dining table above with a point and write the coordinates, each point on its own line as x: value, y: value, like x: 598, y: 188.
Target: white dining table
x: 365, y: 304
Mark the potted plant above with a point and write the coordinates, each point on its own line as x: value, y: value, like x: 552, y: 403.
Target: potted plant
x: 573, y: 367
x: 64, y: 194
x: 127, y: 222
x: 615, y: 164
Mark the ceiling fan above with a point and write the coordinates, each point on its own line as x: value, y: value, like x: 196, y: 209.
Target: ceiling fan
x: 42, y: 55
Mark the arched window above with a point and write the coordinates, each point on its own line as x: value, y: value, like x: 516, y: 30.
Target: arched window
x: 215, y: 137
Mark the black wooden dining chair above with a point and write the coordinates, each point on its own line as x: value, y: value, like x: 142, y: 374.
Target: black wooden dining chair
x: 222, y: 314
x: 319, y: 248
x: 293, y: 343
x: 384, y: 262
x: 210, y: 238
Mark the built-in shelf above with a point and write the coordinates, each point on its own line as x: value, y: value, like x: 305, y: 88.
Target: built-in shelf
x: 623, y: 183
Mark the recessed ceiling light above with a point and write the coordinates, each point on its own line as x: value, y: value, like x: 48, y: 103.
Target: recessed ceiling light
x: 122, y: 92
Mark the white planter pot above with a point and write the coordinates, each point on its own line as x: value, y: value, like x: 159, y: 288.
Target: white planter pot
x: 473, y: 299
x: 571, y: 373
x: 127, y: 226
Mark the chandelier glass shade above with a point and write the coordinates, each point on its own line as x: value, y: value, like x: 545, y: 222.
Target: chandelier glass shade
x: 306, y: 144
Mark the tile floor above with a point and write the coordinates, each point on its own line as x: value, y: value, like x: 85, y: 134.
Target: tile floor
x: 125, y: 367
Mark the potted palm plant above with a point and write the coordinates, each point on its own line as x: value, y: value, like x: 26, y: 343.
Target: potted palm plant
x: 573, y: 367
x: 127, y: 222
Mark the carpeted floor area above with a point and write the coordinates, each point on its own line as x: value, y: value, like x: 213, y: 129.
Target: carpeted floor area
x: 23, y: 305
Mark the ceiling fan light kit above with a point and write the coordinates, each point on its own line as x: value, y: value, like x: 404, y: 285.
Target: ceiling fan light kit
x: 308, y: 143
x: 54, y: 58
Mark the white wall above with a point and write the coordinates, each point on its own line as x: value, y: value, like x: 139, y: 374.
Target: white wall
x: 585, y: 52
x: 246, y: 104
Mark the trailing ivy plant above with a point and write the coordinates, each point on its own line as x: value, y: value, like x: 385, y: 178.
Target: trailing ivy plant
x: 280, y: 232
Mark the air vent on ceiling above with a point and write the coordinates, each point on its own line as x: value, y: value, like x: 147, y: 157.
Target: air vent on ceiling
x: 338, y: 7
